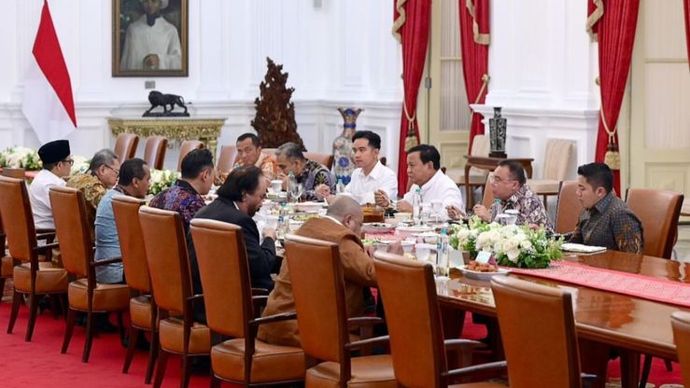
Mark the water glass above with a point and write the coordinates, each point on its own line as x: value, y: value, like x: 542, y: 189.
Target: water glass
x: 422, y: 252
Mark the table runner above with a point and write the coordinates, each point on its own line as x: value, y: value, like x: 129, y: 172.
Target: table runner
x: 640, y: 286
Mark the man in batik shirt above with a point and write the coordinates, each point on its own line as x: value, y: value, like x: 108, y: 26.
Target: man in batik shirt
x: 249, y: 153
x: 307, y: 172
x: 606, y: 220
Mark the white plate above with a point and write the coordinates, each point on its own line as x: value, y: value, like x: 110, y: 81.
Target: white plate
x: 581, y: 248
x: 309, y: 207
x: 415, y: 229
x: 377, y: 227
x: 482, y: 275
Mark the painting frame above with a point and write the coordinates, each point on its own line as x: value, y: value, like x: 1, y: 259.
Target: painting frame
x: 129, y: 20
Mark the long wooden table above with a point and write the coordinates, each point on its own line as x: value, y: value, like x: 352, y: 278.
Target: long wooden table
x: 631, y: 324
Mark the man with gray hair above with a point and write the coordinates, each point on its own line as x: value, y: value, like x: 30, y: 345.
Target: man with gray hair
x: 314, y: 177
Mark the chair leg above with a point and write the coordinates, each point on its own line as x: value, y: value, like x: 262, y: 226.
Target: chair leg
x: 68, y: 330
x: 2, y: 287
x: 153, y: 354
x: 160, y: 368
x: 121, y: 326
x: 646, y: 368
x: 133, y: 337
x: 89, y: 337
x: 33, y: 311
x: 669, y: 365
x: 16, y: 300
x: 215, y: 381
x: 184, y: 382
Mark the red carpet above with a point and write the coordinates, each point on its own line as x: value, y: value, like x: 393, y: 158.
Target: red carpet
x: 39, y: 363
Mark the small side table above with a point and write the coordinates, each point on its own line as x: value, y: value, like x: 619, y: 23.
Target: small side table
x: 489, y: 163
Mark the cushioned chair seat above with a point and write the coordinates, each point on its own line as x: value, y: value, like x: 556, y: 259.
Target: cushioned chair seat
x: 6, y: 266
x: 544, y: 186
x: 140, y: 312
x: 171, y: 337
x: 271, y: 362
x: 106, y: 297
x: 369, y: 371
x: 48, y: 278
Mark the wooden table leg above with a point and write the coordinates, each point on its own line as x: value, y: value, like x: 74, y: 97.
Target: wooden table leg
x: 452, y: 320
x: 630, y: 368
x: 594, y: 359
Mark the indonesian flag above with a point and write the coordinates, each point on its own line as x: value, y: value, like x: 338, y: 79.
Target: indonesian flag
x: 48, y: 104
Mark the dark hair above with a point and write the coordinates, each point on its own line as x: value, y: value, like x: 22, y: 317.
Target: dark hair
x: 249, y: 135
x: 427, y: 153
x: 130, y: 169
x: 517, y: 171
x: 104, y: 157
x: 373, y: 138
x: 290, y: 151
x: 240, y: 181
x: 597, y: 175
x: 195, y: 162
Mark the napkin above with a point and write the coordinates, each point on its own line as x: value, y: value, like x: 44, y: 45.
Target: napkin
x: 573, y: 247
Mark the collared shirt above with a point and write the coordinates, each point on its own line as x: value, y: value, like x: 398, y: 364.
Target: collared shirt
x: 267, y: 163
x: 40, y: 200
x: 107, y: 239
x: 439, y: 188
x: 181, y: 197
x: 362, y: 187
x: 530, y: 208
x: 611, y: 224
x: 312, y: 175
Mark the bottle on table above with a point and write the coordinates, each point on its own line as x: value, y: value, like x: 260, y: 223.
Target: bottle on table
x: 417, y: 206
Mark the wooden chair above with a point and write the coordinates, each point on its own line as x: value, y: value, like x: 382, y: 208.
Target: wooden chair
x: 154, y: 151
x: 477, y: 176
x: 18, y: 173
x: 226, y: 160
x: 411, y: 305
x: 538, y: 328
x: 126, y: 146
x: 680, y: 321
x: 224, y: 272
x: 186, y: 147
x: 325, y: 159
x: 166, y: 254
x: 557, y: 160
x: 142, y: 308
x: 30, y: 277
x: 6, y: 263
x: 319, y: 292
x: 77, y: 249
x: 568, y: 208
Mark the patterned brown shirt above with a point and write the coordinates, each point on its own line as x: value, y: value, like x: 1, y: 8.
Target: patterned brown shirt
x: 610, y: 224
x: 529, y: 206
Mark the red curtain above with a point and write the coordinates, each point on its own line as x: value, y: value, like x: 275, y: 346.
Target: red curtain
x: 686, y: 7
x: 615, y: 29
x: 411, y: 27
x: 474, y: 39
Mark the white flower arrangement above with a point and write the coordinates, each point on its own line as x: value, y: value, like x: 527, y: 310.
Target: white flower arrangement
x: 20, y: 157
x: 510, y: 245
x: 80, y: 166
x: 161, y: 180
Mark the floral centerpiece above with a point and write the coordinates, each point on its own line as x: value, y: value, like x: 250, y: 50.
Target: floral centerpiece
x: 510, y: 245
x: 20, y: 157
x: 161, y: 180
x: 80, y: 165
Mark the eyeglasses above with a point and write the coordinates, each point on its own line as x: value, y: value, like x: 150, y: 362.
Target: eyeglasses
x: 68, y: 161
x: 117, y: 172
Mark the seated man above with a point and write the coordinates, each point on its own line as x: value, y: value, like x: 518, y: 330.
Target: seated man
x: 185, y: 196
x: 101, y: 176
x: 238, y: 200
x: 424, y: 171
x: 57, y: 164
x: 249, y: 153
x: 341, y: 225
x: 606, y: 220
x: 309, y: 173
x: 134, y: 181
x: 370, y: 175
x: 508, y: 184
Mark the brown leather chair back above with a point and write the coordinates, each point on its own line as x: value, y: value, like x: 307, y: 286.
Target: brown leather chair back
x: 126, y: 146
x: 18, y: 173
x: 72, y: 229
x: 226, y: 160
x: 325, y: 159
x: 318, y: 288
x: 18, y: 221
x: 411, y: 306
x: 154, y: 151
x: 166, y: 255
x: 658, y: 210
x: 126, y: 212
x: 680, y: 321
x: 568, y: 208
x: 187, y: 147
x: 537, y: 328
x: 224, y: 271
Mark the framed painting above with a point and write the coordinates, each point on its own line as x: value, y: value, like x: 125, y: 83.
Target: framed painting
x: 150, y: 38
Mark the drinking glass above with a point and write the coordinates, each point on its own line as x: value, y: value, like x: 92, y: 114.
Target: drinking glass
x: 422, y: 252
x: 297, y: 191
x: 436, y: 207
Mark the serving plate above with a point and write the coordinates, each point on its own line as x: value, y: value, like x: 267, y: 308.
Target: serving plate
x: 478, y: 275
x: 377, y: 227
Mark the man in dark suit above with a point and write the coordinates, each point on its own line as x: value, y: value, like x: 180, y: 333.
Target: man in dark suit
x: 238, y: 200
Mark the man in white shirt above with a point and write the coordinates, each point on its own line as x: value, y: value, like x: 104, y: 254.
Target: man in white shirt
x: 57, y: 164
x: 424, y: 171
x: 370, y: 175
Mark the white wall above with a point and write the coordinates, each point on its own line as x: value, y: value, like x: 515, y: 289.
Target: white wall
x: 338, y: 53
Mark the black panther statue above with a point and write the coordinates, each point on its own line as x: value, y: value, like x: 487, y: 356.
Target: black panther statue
x: 157, y: 99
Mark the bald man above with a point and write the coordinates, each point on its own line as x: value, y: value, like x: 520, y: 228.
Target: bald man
x: 341, y: 224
